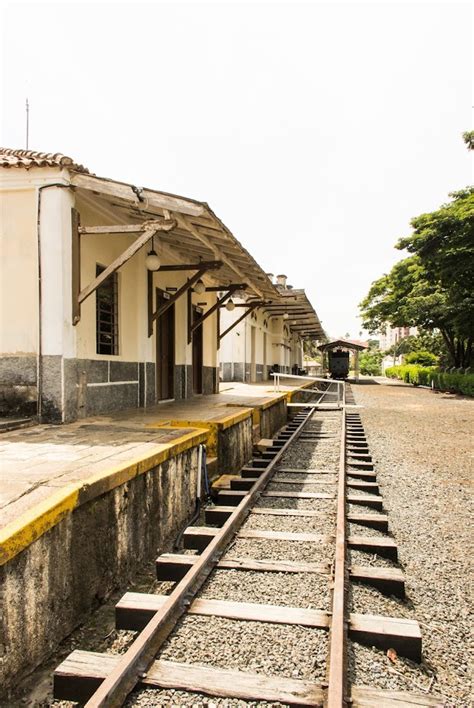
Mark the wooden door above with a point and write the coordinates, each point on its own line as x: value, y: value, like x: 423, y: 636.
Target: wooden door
x: 197, y: 355
x: 265, y: 367
x: 164, y: 350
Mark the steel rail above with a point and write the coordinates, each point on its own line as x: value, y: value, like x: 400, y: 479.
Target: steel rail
x: 336, y: 693
x: 135, y: 661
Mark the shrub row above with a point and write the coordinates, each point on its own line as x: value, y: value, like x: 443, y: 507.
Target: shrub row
x: 430, y: 376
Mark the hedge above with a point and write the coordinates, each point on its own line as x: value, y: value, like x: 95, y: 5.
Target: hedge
x: 430, y: 376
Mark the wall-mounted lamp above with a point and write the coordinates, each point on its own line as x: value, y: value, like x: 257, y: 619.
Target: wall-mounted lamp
x: 199, y: 288
x: 230, y: 305
x: 152, y: 261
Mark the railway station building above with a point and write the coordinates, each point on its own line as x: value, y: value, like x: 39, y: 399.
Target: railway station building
x: 268, y: 337
x: 116, y: 306
x: 111, y: 293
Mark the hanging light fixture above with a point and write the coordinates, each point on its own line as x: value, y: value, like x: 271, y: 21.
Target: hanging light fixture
x: 285, y: 316
x: 199, y: 288
x: 152, y: 261
x: 230, y: 305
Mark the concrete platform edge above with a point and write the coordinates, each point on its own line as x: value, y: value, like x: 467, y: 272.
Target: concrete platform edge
x: 22, y: 532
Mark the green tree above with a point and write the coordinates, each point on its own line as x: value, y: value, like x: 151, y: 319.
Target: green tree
x: 370, y: 362
x: 401, y: 347
x: 468, y: 138
x: 421, y: 357
x: 425, y: 340
x: 434, y: 287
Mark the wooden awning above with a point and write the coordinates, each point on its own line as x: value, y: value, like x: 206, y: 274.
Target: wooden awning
x: 302, y: 317
x: 199, y: 235
x: 344, y: 344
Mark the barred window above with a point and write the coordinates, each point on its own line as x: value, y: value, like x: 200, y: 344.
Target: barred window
x: 107, y: 314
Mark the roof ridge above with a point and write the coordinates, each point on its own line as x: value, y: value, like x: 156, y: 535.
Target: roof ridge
x: 11, y: 157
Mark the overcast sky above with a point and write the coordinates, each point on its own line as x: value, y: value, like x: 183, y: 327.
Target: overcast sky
x: 314, y: 130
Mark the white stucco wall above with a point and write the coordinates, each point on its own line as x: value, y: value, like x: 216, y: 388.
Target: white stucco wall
x: 18, y: 270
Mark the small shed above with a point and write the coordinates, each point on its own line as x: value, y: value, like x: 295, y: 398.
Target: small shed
x: 351, y: 345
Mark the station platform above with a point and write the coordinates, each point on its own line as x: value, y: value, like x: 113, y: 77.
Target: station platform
x: 99, y: 452
x: 83, y: 504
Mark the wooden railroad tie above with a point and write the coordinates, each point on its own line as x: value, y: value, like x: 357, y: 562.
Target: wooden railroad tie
x: 373, y: 521
x: 360, y: 464
x: 382, y: 545
x: 199, y: 537
x: 365, y: 697
x: 390, y: 581
x: 365, y: 500
x: 364, y: 485
x: 82, y: 672
x: 135, y: 610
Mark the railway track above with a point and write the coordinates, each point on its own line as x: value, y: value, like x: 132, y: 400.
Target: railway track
x: 304, y: 512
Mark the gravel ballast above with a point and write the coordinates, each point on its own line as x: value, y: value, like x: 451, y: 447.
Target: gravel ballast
x: 365, y: 599
x: 323, y: 523
x: 281, y: 550
x: 257, y: 647
x: 293, y: 487
x: 295, y: 503
x: 421, y: 442
x: 309, y: 590
x: 371, y: 666
x: 355, y: 557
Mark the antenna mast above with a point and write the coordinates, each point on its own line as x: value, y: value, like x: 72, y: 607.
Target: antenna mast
x: 27, y: 122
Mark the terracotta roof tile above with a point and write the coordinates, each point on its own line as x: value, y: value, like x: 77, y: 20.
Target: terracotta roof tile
x: 31, y: 158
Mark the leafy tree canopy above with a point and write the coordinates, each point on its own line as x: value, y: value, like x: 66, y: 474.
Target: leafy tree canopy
x: 468, y: 138
x: 434, y: 287
x: 422, y: 357
x: 370, y: 362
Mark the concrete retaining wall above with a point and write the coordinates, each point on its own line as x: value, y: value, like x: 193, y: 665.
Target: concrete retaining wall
x: 234, y: 446
x: 273, y: 418
x: 53, y: 584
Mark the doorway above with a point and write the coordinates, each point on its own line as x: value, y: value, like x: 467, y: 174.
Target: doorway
x: 265, y: 367
x: 197, y: 354
x: 165, y: 349
x: 253, y: 352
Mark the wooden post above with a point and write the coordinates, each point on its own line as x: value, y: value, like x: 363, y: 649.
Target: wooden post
x: 186, y: 287
x: 76, y: 265
x: 356, y: 364
x: 251, y: 307
x: 150, y: 302
x: 219, y: 303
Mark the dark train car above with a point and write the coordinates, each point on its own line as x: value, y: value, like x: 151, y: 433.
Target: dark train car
x: 338, y: 364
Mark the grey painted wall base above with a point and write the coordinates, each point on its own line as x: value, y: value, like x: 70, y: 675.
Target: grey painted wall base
x: 232, y: 371
x: 18, y: 385
x: 78, y: 388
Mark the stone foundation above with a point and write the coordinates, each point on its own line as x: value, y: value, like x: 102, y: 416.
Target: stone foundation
x: 18, y: 385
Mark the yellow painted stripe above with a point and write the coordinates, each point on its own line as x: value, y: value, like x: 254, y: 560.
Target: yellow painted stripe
x: 36, y: 521
x: 22, y: 532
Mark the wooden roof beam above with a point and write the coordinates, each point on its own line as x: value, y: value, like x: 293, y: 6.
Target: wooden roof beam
x: 182, y: 220
x: 131, y: 194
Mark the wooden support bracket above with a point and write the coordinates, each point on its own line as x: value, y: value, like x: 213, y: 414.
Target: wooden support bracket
x: 250, y: 308
x: 146, y: 230
x: 201, y: 268
x: 192, y: 326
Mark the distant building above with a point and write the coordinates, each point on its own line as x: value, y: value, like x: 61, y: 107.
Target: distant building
x: 393, y: 335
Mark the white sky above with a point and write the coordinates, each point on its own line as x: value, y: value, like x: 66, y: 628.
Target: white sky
x: 314, y: 130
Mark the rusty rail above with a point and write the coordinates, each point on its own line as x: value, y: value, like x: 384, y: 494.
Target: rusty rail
x: 336, y: 695
x: 136, y: 660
